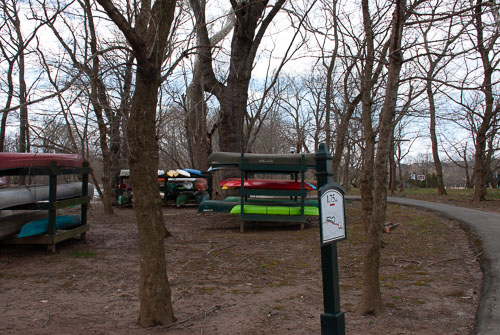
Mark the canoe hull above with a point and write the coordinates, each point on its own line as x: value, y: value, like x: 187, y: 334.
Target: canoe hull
x: 41, y: 226
x: 17, y: 196
x: 275, y: 210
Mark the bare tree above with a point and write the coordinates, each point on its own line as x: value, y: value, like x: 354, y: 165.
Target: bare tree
x: 291, y: 106
x: 148, y: 36
x: 198, y: 134
x: 14, y: 47
x: 439, y: 53
x: 485, y: 40
x: 85, y: 43
x: 374, y: 182
x: 232, y: 95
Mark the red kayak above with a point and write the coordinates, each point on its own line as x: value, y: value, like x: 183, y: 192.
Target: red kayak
x: 11, y: 160
x: 266, y: 184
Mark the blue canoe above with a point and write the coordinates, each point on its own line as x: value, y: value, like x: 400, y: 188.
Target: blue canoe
x: 193, y: 171
x: 41, y: 226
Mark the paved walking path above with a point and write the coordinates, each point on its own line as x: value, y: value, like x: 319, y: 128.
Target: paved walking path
x: 486, y: 225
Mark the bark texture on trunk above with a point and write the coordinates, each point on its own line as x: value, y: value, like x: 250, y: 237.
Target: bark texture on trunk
x: 154, y: 291
x: 375, y: 191
x: 199, y: 138
x: 149, y: 41
x: 200, y: 144
x: 10, y: 94
x: 434, y: 142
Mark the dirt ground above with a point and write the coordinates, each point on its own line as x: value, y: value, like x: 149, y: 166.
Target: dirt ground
x: 264, y: 281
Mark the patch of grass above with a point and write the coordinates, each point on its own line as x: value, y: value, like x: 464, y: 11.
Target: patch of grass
x: 390, y: 286
x: 11, y: 276
x: 422, y: 273
x: 207, y: 289
x: 280, y: 284
x: 421, y: 283
x: 83, y: 254
x: 398, y: 276
x: 416, y: 301
x: 269, y: 265
x: 455, y: 293
x: 347, y: 286
x: 493, y: 193
x: 423, y: 223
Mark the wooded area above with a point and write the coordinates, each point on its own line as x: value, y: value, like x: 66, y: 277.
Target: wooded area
x: 162, y: 84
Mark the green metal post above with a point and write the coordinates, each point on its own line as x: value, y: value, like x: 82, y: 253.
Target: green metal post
x: 332, y: 320
x: 52, y: 199
x: 85, y: 193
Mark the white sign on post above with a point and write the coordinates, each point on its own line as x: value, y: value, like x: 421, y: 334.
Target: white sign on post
x: 332, y: 216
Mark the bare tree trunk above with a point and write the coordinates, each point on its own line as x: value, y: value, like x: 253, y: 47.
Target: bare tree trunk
x: 351, y: 105
x: 345, y: 173
x: 434, y: 142
x: 156, y: 307
x: 99, y: 102
x: 392, y: 167
x: 329, y: 79
x: 377, y: 193
x: 199, y: 138
x: 23, y: 111
x: 200, y: 144
x: 10, y: 93
x: 24, y: 141
x: 401, y: 181
x: 468, y: 183
x: 149, y: 40
x: 118, y: 129
x: 342, y: 132
x: 372, y: 297
x: 434, y: 57
x: 246, y: 39
x: 484, y: 48
x: 489, y: 157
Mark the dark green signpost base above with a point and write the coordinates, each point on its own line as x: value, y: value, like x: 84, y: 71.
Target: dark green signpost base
x: 332, y: 320
x: 332, y: 323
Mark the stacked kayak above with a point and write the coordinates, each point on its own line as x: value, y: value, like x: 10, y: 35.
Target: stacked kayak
x: 275, y: 210
x: 266, y: 184
x: 41, y: 226
x: 232, y: 205
x: 185, y: 185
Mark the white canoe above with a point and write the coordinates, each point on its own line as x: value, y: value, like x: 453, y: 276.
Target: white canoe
x: 22, y: 195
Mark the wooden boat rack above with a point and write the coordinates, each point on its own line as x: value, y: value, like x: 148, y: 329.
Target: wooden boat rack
x: 53, y: 204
